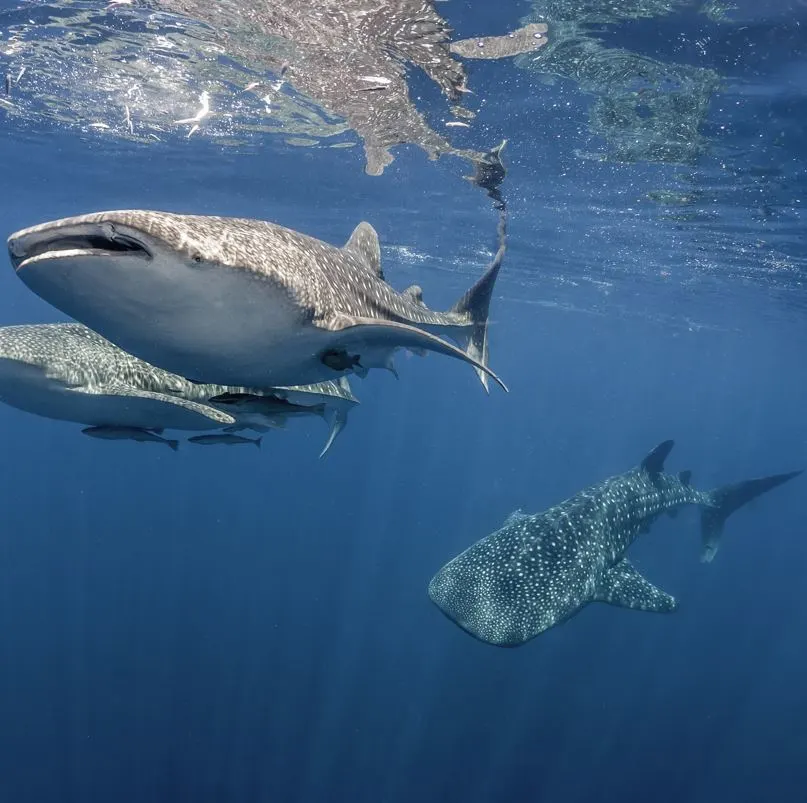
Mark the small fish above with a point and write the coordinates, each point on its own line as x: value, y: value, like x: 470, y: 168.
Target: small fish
x: 130, y: 434
x: 227, y: 439
x: 246, y: 427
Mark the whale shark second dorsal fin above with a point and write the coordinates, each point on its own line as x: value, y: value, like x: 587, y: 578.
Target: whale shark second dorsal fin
x: 516, y: 516
x: 653, y: 464
x: 363, y: 243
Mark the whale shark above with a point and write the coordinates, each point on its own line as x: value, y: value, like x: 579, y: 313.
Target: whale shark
x: 67, y: 372
x: 242, y: 302
x: 537, y: 571
x: 351, y: 56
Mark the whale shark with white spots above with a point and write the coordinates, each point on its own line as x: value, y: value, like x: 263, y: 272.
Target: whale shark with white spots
x: 243, y: 302
x: 538, y: 571
x: 67, y: 372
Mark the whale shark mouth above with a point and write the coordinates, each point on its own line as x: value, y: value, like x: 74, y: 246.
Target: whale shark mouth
x: 27, y: 248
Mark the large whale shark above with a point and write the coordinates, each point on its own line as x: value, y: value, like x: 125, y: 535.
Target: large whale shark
x: 242, y: 302
x: 539, y: 570
x: 351, y: 56
x: 67, y: 372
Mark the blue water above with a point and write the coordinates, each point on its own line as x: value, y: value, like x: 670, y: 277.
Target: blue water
x: 243, y: 625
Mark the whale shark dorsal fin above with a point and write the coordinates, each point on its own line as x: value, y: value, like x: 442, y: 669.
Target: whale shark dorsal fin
x: 516, y: 516
x: 624, y: 587
x: 414, y: 293
x: 685, y: 477
x: 364, y: 244
x: 653, y: 464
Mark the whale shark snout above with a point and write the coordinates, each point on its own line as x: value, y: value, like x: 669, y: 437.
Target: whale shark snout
x: 83, y: 237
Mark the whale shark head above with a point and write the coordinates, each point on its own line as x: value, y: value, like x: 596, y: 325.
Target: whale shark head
x: 165, y: 287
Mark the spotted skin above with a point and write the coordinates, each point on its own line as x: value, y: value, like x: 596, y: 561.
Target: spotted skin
x: 237, y: 301
x: 69, y: 372
x: 539, y: 570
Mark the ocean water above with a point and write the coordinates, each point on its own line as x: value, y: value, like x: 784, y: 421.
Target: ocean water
x: 250, y: 625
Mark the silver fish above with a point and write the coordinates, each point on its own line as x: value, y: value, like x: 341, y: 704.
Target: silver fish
x: 225, y: 439
x: 129, y: 434
x: 331, y: 400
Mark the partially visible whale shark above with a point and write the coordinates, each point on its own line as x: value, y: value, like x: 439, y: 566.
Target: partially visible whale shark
x: 350, y: 57
x: 67, y: 372
x: 242, y: 302
x: 539, y: 570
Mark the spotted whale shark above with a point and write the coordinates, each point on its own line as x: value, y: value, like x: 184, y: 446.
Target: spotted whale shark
x: 538, y: 571
x: 242, y: 302
x: 351, y: 57
x: 67, y: 372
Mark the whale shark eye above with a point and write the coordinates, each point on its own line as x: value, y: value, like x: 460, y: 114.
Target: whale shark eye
x: 197, y: 258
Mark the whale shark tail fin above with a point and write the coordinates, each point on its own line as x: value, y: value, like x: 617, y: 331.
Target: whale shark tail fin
x: 475, y: 306
x: 725, y: 500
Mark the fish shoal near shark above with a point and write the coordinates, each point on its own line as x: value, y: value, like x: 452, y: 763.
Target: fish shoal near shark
x: 68, y: 372
x: 242, y: 302
x: 538, y: 571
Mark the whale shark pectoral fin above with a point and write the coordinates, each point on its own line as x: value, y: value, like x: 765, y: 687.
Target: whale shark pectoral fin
x: 355, y: 332
x: 338, y: 420
x: 121, y: 389
x: 624, y: 587
x: 363, y: 243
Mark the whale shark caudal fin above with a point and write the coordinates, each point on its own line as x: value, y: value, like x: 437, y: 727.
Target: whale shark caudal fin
x: 624, y: 587
x: 475, y: 304
x: 725, y: 501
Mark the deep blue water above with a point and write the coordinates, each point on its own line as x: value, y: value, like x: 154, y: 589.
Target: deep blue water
x: 243, y: 625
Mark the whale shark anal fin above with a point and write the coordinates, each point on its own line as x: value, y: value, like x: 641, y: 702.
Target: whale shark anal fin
x: 624, y: 587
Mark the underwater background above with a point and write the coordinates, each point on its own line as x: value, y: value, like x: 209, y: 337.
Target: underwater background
x: 253, y: 625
